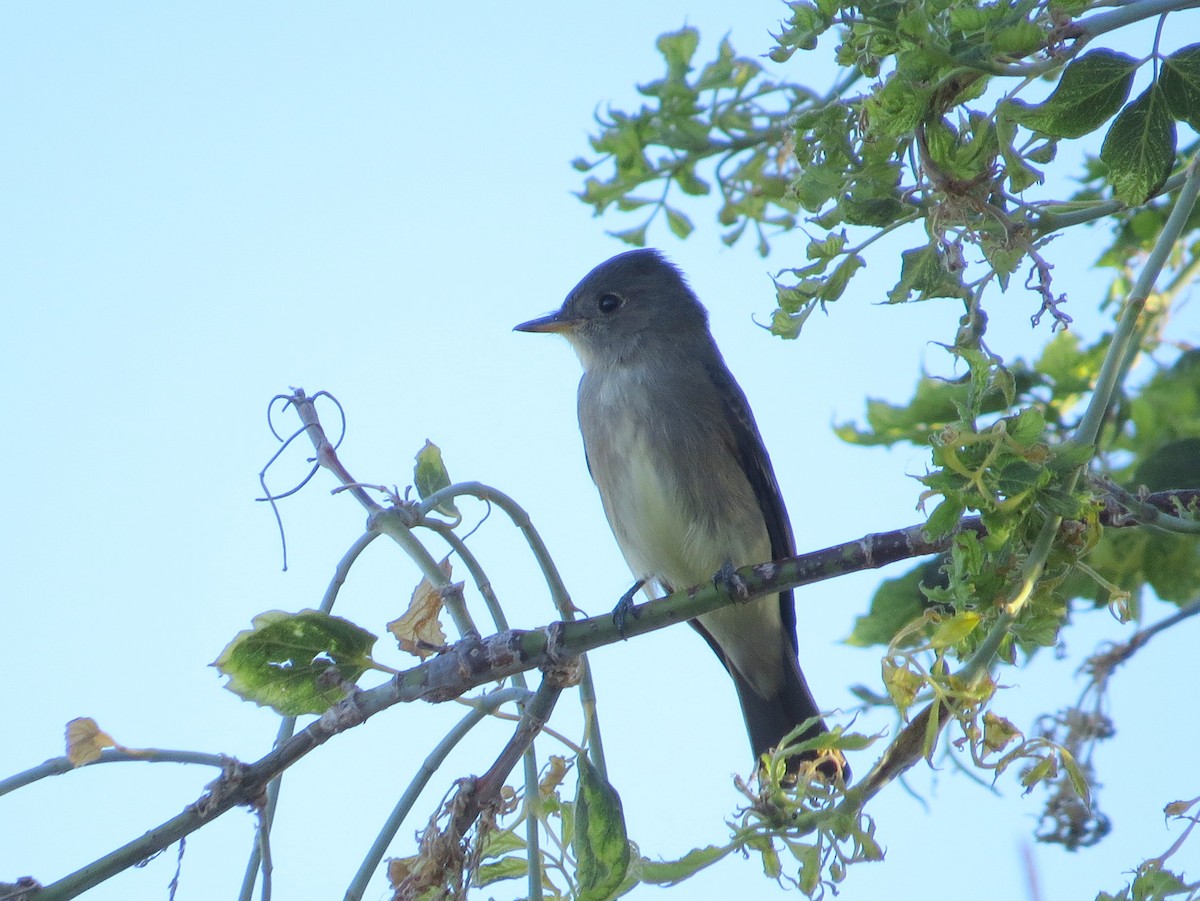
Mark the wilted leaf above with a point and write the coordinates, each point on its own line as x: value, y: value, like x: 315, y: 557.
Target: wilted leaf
x: 998, y: 732
x: 554, y: 775
x: 903, y: 685
x: 419, y: 631
x: 400, y: 868
x: 1179, y: 808
x: 85, y: 741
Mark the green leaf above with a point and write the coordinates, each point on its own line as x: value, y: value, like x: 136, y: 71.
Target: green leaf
x: 1019, y: 39
x: 871, y: 210
x: 826, y: 249
x: 944, y: 518
x: 1020, y: 476
x: 1027, y: 426
x: 1175, y: 464
x: 1172, y: 566
x: 1156, y: 884
x: 1139, y: 148
x: 689, y: 183
x: 895, y: 604
x: 628, y: 203
x: 678, y: 48
x: 923, y: 272
x: 807, y: 23
x: 600, y: 843
x: 787, y: 325
x: 809, y: 858
x: 968, y: 19
x: 1078, y: 781
x: 1070, y: 455
x: 1070, y: 369
x: 430, y: 476
x: 497, y: 844
x: 672, y: 872
x: 680, y: 225
x: 280, y: 661
x: 505, y: 868
x: 1180, y: 80
x: 998, y: 732
x: 1069, y: 8
x: 935, y: 403
x: 1020, y: 174
x: 898, y: 107
x: 1090, y: 92
x: 635, y: 236
x: 835, y: 285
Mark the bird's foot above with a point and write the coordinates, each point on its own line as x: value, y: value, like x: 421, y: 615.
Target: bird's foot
x: 626, y: 608
x: 727, y: 577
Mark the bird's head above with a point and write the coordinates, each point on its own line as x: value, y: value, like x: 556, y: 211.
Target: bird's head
x: 633, y: 304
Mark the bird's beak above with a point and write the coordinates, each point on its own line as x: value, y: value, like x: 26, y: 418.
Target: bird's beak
x: 553, y: 322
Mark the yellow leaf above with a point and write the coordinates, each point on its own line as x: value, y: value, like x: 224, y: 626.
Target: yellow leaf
x: 554, y: 775
x: 951, y: 631
x: 419, y: 631
x: 902, y: 684
x: 85, y: 741
x: 399, y: 869
x: 998, y: 732
x: 1179, y: 808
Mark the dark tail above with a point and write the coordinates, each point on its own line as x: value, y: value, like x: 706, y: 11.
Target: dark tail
x: 769, y: 719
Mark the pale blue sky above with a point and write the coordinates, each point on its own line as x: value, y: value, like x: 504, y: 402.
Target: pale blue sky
x: 204, y: 205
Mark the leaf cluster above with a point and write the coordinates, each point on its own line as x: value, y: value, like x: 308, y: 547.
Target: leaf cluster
x: 941, y: 135
x: 1000, y: 446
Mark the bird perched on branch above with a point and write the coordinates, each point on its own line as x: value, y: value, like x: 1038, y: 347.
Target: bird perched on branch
x: 684, y: 477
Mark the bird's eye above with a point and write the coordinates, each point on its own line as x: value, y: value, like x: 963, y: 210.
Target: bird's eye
x: 609, y: 303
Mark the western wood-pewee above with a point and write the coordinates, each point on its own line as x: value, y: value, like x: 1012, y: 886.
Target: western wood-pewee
x: 684, y: 477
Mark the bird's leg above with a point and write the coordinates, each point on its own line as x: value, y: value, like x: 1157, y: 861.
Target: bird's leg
x: 728, y: 578
x: 624, y: 608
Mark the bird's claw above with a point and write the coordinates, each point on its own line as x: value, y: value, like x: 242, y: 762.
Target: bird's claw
x: 727, y: 577
x: 626, y: 608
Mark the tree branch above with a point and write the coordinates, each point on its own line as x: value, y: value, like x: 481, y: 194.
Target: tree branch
x: 475, y: 661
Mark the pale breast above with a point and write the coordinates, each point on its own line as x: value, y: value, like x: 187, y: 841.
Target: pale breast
x: 680, y: 507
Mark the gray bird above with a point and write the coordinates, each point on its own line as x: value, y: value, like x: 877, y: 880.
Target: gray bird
x: 682, y: 472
